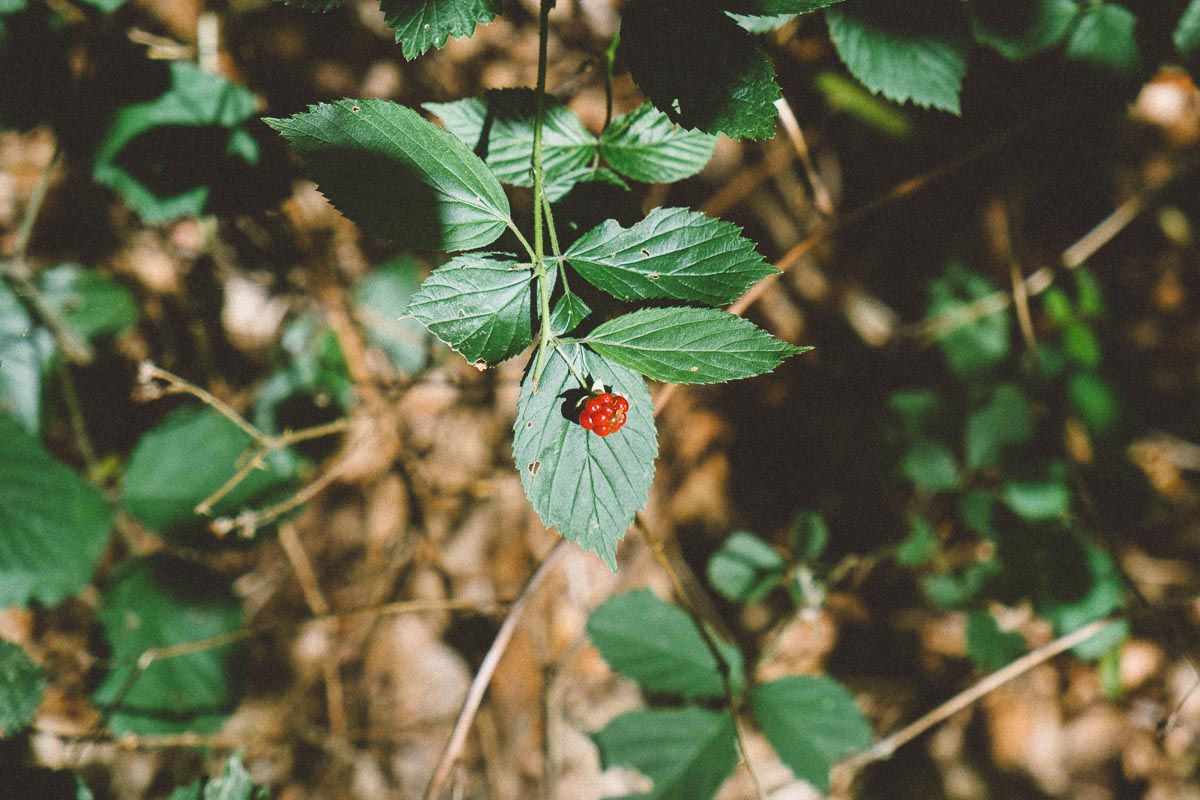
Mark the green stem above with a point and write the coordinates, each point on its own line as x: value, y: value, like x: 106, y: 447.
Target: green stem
x: 554, y: 248
x: 512, y: 226
x: 539, y: 194
x: 570, y: 366
x: 610, y: 57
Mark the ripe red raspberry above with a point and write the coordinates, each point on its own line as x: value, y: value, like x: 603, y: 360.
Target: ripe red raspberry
x: 604, y: 413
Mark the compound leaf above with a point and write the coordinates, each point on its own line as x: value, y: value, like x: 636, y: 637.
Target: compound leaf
x: 499, y: 128
x: 687, y: 752
x: 674, y: 253
x: 647, y: 146
x: 568, y: 312
x: 903, y: 50
x: 699, y: 67
x: 745, y: 569
x: 586, y: 486
x: 658, y: 645
x: 54, y: 525
x: 811, y: 722
x: 398, y: 175
x: 481, y: 305
x: 158, y: 602
x: 22, y: 684
x: 689, y: 345
x: 422, y: 24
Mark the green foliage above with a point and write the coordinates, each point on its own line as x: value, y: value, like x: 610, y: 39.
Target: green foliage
x: 319, y: 6
x: 159, y: 602
x: 1104, y: 38
x: 1007, y: 419
x: 423, y: 24
x: 164, y: 481
x: 90, y: 304
x: 843, y: 94
x: 585, y: 486
x: 312, y: 363
x: 22, y: 685
x: 1042, y: 495
x: 500, y: 129
x: 774, y: 7
x: 730, y: 90
x: 688, y: 753
x: 689, y: 345
x: 974, y: 343
x: 746, y: 568
x: 376, y: 297
x: 919, y: 546
x: 657, y: 645
x: 482, y: 306
x: 674, y: 253
x: 54, y: 525
x: 397, y: 175
x: 902, y: 50
x: 646, y: 146
x: 199, y: 121
x: 1187, y: 37
x: 811, y: 722
x: 568, y: 312
x: 989, y: 647
x: 931, y: 466
x: 810, y: 537
x: 1020, y: 29
x: 234, y: 783
x: 25, y: 351
x: 107, y: 6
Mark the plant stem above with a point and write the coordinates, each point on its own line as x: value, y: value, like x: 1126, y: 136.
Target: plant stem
x: 571, y: 367
x: 539, y: 194
x: 554, y: 248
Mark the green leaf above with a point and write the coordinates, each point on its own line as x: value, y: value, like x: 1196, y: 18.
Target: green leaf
x: 22, y: 685
x: 973, y: 345
x: 989, y: 647
x: 319, y: 6
x: 674, y: 253
x: 920, y: 546
x: 499, y: 128
x: 1020, y: 29
x: 689, y: 345
x: 658, y: 645
x: 1081, y: 345
x: 165, y: 480
x: 89, y: 303
x: 26, y: 351
x: 757, y: 24
x: 158, y: 602
x: 646, y: 146
x: 774, y: 7
x: 1007, y: 419
x: 568, y: 312
x: 586, y: 486
x: 422, y: 24
x: 54, y: 526
x: 107, y: 6
x: 904, y: 51
x: 312, y: 364
x: 810, y: 536
x: 398, y: 175
x: 1187, y: 36
x: 379, y: 299
x: 12, y: 6
x: 1094, y: 401
x: 1044, y: 496
x: 931, y: 466
x: 848, y: 96
x: 1104, y: 38
x: 952, y: 591
x: 745, y: 569
x: 688, y: 752
x: 170, y: 157
x: 811, y: 722
x: 482, y: 306
x: 698, y: 67
x: 232, y: 784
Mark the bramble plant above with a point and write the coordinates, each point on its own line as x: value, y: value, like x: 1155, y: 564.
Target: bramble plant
x: 601, y: 300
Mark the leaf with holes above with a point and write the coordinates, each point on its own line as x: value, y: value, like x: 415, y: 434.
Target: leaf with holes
x: 688, y: 753
x: 54, y: 525
x: 422, y: 24
x: 699, y: 68
x: 647, y: 146
x: 160, y: 602
x: 663, y: 651
x: 904, y: 51
x: 22, y: 684
x: 499, y: 129
x: 586, y: 486
x: 482, y: 306
x: 674, y: 253
x: 398, y: 175
x: 689, y: 345
x: 811, y: 722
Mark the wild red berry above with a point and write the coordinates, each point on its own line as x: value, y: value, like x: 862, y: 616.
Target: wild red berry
x: 603, y: 413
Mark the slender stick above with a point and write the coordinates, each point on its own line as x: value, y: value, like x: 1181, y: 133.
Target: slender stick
x: 539, y: 192
x: 470, y: 706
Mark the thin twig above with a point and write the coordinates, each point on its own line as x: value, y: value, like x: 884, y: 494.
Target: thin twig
x: 1039, y: 655
x: 487, y: 668
x: 822, y: 199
